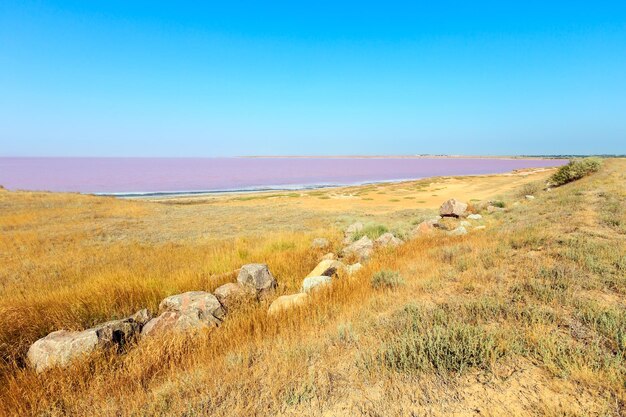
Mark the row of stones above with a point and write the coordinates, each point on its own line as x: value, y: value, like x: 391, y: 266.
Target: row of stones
x: 201, y: 309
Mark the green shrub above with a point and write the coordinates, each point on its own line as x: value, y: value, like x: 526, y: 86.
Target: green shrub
x: 387, y: 279
x: 434, y: 340
x: 373, y: 231
x: 498, y: 203
x: 574, y: 170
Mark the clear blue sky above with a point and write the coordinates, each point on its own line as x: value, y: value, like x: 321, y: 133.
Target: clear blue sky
x: 178, y: 78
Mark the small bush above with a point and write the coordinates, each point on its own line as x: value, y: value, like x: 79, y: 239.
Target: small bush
x: 574, y: 170
x: 387, y: 279
x: 373, y: 231
x: 434, y: 340
x: 498, y: 203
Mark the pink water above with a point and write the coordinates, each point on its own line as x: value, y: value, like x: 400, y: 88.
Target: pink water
x: 183, y: 175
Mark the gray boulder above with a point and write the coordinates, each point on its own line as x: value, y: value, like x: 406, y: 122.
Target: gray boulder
x: 474, y: 217
x: 311, y: 283
x: 193, y: 309
x: 61, y: 347
x: 258, y: 277
x: 362, y: 248
x: 231, y: 295
x: 452, y: 208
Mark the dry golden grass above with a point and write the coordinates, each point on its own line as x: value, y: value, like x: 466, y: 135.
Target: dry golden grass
x: 523, y: 318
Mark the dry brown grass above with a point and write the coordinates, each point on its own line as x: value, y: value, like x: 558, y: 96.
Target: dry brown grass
x: 524, y: 318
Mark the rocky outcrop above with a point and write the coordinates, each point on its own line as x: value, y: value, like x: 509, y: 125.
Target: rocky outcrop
x: 311, y: 283
x: 287, y: 302
x: 320, y: 243
x: 362, y: 248
x: 61, y: 347
x: 231, y: 295
x: 258, y: 277
x: 452, y: 208
x: 190, y: 310
x: 327, y: 267
x: 388, y: 239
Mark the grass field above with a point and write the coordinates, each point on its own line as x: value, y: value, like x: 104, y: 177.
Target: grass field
x: 525, y: 317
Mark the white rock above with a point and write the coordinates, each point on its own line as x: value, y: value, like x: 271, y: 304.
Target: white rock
x: 311, y: 283
x: 474, y: 217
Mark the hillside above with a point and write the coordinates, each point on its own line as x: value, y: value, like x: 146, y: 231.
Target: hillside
x: 524, y: 317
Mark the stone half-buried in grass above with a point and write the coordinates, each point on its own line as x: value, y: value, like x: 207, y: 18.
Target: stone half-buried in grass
x: 258, y: 277
x: 362, y: 248
x: 328, y: 267
x: 388, y: 240
x: 312, y: 283
x: 61, y: 347
x: 187, y: 311
x: 287, y: 302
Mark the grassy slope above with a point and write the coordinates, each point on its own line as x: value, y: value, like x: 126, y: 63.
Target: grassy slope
x: 526, y: 317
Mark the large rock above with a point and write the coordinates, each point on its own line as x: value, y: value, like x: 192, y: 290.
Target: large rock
x: 388, y: 239
x: 310, y: 283
x: 287, y: 302
x: 231, y: 295
x: 327, y: 267
x: 320, y: 243
x: 362, y: 248
x: 190, y: 310
x: 61, y: 347
x: 258, y: 277
x: 452, y: 208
